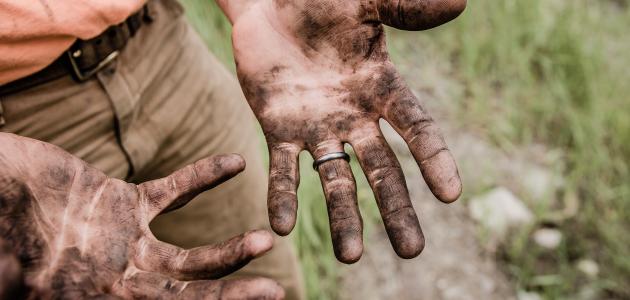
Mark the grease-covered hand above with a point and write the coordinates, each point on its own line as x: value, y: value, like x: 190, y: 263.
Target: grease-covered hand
x: 317, y: 75
x: 78, y: 234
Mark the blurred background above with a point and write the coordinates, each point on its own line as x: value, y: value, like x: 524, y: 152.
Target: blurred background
x: 534, y: 100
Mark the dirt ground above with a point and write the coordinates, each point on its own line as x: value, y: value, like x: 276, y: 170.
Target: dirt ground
x: 453, y: 265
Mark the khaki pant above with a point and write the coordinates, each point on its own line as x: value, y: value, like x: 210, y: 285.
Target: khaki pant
x: 164, y: 103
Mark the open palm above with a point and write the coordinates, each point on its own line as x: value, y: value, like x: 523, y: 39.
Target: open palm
x: 78, y: 234
x: 317, y: 75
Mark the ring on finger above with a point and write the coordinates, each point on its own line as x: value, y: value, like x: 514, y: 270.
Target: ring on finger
x: 330, y: 156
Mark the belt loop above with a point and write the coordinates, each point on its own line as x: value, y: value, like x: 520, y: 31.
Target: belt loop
x: 2, y: 121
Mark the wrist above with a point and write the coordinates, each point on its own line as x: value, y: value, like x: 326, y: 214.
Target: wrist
x: 235, y: 8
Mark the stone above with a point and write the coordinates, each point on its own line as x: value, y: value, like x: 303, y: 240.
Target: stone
x: 588, y: 292
x: 524, y: 295
x: 539, y: 183
x: 589, y: 267
x: 499, y: 210
x: 548, y: 238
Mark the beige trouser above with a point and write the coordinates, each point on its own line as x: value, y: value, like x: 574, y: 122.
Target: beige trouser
x: 164, y: 103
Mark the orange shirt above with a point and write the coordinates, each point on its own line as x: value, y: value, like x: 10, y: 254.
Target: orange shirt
x: 33, y: 33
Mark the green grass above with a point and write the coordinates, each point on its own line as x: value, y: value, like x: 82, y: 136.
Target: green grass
x: 312, y: 234
x: 556, y: 73
x: 533, y: 71
x: 213, y: 26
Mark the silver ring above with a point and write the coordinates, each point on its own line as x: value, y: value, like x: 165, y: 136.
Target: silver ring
x: 329, y: 157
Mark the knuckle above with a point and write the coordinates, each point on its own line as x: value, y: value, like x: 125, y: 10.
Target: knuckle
x: 420, y: 129
x: 342, y: 201
x: 381, y: 173
x: 282, y: 182
x: 346, y: 214
x: 284, y: 148
x: 179, y: 263
x: 194, y: 176
x: 430, y: 156
x: 282, y: 196
x: 399, y: 212
x: 340, y: 183
x: 154, y: 196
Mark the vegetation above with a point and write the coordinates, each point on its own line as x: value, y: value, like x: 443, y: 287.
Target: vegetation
x: 554, y: 73
x: 533, y: 71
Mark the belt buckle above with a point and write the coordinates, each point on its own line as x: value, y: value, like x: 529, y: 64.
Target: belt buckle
x: 82, y: 76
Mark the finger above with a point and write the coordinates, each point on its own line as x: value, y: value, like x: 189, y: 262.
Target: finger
x: 390, y: 190
x: 146, y: 285
x: 179, y: 188
x: 209, y: 262
x: 284, y: 179
x: 346, y: 225
x: 11, y: 280
x: 105, y: 297
x: 419, y: 14
x: 427, y: 145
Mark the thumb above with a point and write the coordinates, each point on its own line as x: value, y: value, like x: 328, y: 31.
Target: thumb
x: 419, y: 14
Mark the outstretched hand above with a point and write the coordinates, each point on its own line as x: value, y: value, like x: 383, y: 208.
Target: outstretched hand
x: 78, y: 234
x: 317, y: 75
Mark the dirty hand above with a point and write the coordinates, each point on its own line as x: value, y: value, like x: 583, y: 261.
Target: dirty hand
x: 78, y: 234
x: 317, y: 75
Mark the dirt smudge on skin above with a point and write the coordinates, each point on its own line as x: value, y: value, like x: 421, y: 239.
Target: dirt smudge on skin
x: 259, y: 89
x: 352, y: 39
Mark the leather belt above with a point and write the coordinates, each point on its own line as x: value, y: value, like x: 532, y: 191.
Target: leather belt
x: 85, y: 57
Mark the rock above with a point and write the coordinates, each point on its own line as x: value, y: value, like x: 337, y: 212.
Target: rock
x: 500, y: 210
x: 589, y: 267
x: 540, y: 183
x: 524, y: 295
x: 548, y: 238
x: 588, y: 292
